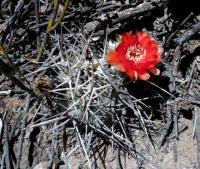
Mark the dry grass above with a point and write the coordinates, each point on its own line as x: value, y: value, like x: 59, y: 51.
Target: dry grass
x: 76, y: 110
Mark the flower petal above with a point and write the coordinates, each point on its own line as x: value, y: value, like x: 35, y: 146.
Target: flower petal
x: 127, y: 37
x: 119, y: 38
x: 141, y: 35
x: 152, y: 46
x: 143, y: 75
x: 145, y: 41
x: 133, y: 75
x: 154, y: 71
x: 120, y: 67
x: 160, y: 51
x: 136, y: 55
x: 112, y: 58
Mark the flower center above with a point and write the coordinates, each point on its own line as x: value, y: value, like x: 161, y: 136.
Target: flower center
x: 135, y: 53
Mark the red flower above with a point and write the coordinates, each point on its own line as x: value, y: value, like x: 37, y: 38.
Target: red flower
x: 136, y: 55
